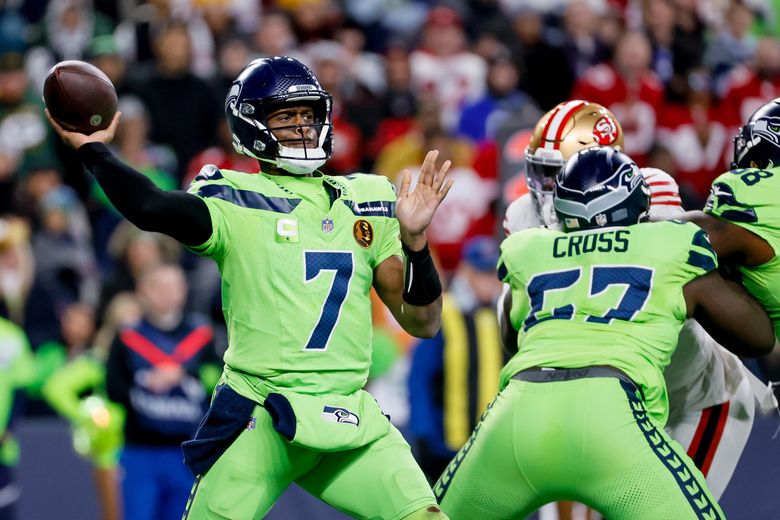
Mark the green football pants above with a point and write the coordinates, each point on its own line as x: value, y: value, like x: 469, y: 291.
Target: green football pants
x: 380, y: 481
x: 587, y: 440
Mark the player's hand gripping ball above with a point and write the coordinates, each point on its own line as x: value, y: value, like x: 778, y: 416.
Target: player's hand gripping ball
x: 79, y: 96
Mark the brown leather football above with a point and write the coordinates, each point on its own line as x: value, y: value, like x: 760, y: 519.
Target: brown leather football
x: 79, y: 96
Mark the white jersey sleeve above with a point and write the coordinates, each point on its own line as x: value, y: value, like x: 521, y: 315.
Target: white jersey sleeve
x: 521, y: 215
x: 665, y: 200
x: 702, y: 374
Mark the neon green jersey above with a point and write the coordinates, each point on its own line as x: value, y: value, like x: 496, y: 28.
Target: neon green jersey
x: 749, y: 198
x: 603, y: 297
x: 297, y: 256
x: 17, y: 370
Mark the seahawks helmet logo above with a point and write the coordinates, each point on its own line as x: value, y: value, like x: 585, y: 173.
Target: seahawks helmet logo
x: 763, y: 129
x: 339, y: 415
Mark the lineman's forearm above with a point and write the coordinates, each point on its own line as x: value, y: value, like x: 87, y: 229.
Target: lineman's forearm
x: 178, y: 214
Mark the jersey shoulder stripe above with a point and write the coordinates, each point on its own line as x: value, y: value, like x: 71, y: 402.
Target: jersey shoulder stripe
x: 368, y: 195
x: 723, y: 203
x: 368, y: 186
x: 247, y: 198
x: 701, y: 254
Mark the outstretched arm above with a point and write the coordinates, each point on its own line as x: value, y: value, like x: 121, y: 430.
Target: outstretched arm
x: 730, y: 315
x: 413, y: 292
x: 732, y: 243
x: 178, y: 214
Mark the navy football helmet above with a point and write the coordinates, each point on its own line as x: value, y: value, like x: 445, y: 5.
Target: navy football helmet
x: 757, y: 145
x: 265, y: 86
x: 600, y: 187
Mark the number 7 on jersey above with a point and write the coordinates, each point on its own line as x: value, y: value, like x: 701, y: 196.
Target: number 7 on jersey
x: 339, y: 262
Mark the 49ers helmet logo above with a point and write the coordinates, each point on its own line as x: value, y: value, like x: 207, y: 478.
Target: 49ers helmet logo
x: 363, y: 233
x: 605, y: 131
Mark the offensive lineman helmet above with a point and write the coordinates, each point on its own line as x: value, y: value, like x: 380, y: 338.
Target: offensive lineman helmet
x: 757, y: 145
x: 264, y: 86
x: 600, y: 187
x: 563, y: 131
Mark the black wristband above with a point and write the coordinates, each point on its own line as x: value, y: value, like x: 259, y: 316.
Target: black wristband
x: 421, y: 281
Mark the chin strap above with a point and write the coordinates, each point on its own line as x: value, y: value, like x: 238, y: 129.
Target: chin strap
x: 298, y: 166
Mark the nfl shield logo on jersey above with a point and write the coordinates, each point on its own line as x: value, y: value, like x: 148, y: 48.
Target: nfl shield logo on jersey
x: 327, y: 225
x: 601, y: 219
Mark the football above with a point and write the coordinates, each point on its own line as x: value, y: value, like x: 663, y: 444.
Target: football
x: 79, y: 96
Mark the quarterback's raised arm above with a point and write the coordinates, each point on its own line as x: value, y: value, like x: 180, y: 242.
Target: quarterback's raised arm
x: 412, y: 291
x: 178, y: 214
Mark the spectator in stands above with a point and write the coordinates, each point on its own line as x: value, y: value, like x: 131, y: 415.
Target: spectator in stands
x: 534, y: 53
x: 502, y: 100
x: 161, y: 371
x: 630, y: 90
x: 69, y: 28
x: 749, y: 85
x: 274, y: 35
x: 733, y: 44
x: 133, y: 251
x: 103, y: 53
x: 17, y: 268
x: 75, y: 337
x: 65, y: 268
x: 582, y: 43
x: 233, y: 53
x: 171, y: 88
x: 137, y: 35
x: 398, y: 102
x: 698, y: 136
x: 454, y: 375
x: 658, y: 21
x: 444, y: 67
x: 24, y: 138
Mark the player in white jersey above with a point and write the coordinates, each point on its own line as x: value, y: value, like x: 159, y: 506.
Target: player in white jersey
x: 713, y: 397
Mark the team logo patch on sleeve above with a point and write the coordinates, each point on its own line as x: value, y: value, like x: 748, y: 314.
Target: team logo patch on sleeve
x: 363, y: 233
x: 339, y: 415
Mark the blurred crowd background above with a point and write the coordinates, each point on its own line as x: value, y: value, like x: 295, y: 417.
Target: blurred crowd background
x: 467, y: 77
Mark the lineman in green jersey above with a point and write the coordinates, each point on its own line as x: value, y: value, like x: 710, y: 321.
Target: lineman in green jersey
x: 298, y: 252
x: 742, y: 214
x: 595, y: 313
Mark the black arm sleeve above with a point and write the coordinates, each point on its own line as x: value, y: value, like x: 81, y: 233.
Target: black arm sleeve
x: 178, y: 214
